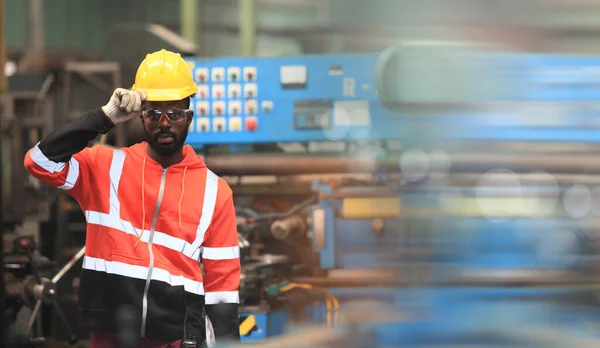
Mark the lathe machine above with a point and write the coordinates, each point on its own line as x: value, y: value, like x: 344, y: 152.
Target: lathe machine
x: 430, y: 181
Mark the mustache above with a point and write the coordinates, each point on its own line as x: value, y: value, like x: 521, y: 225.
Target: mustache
x: 165, y: 133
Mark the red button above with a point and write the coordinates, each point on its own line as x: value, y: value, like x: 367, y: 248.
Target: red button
x: 219, y: 111
x: 249, y: 76
x: 251, y: 124
x: 202, y: 111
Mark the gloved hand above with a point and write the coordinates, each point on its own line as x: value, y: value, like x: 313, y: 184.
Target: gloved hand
x: 124, y: 105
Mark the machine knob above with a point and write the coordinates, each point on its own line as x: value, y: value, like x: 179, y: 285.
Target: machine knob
x: 24, y: 244
x: 291, y: 227
x: 378, y: 224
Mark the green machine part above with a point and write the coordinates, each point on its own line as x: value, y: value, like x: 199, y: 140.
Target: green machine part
x: 422, y: 73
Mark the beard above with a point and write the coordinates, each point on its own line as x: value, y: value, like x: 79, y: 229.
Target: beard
x: 166, y: 149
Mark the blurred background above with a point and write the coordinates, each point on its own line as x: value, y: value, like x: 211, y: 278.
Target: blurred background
x: 405, y: 173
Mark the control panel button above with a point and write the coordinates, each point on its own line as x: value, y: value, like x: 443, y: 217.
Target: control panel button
x: 234, y: 91
x: 218, y: 74
x: 235, y: 124
x: 219, y: 124
x: 202, y: 124
x: 218, y: 108
x: 267, y: 106
x: 251, y: 124
x: 202, y: 108
x: 250, y: 91
x: 218, y: 91
x: 202, y: 75
x: 250, y: 73
x: 293, y: 76
x: 202, y: 92
x: 235, y: 108
x: 233, y: 74
x: 251, y: 107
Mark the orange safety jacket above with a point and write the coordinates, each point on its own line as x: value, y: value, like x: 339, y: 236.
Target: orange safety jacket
x: 149, y: 229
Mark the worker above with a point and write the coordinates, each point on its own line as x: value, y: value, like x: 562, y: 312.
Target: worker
x: 155, y: 214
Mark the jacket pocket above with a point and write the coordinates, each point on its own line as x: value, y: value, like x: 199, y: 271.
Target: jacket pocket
x: 92, y: 290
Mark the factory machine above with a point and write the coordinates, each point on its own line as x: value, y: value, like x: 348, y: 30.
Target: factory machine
x: 423, y: 195
x: 414, y: 196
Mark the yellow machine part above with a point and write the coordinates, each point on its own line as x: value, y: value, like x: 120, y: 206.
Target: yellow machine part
x: 364, y: 208
x: 506, y: 207
x: 248, y: 324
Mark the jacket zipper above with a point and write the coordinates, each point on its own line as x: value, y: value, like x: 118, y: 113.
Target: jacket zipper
x: 161, y: 191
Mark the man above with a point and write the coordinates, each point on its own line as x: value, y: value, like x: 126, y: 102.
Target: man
x: 154, y: 211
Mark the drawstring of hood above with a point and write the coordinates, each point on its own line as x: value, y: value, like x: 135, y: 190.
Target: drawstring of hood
x: 144, y: 201
x: 181, y: 197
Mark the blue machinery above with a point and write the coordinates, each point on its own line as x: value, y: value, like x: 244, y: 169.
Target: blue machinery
x: 449, y: 274
x: 339, y: 98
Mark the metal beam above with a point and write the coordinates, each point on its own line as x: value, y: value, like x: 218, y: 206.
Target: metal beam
x: 3, y: 58
x: 191, y: 22
x: 3, y: 89
x: 248, y: 27
x: 36, y: 25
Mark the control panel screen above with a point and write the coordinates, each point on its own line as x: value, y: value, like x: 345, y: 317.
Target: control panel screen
x: 312, y: 114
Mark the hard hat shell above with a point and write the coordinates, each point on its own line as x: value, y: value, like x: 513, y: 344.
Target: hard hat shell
x: 165, y: 76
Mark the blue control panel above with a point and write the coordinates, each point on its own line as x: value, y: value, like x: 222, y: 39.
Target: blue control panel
x: 251, y: 100
x: 293, y: 99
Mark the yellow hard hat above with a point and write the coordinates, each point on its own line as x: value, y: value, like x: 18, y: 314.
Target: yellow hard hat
x: 165, y: 76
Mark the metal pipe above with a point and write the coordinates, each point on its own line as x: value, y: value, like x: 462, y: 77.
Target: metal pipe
x: 36, y: 26
x: 278, y: 164
x: 67, y: 267
x: 3, y: 89
x: 3, y: 55
x: 248, y: 27
x: 368, y: 192
x: 554, y: 163
x: 190, y: 20
x: 286, y: 164
x: 483, y: 278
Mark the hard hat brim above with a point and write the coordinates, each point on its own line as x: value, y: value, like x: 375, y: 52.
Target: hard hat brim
x: 168, y: 94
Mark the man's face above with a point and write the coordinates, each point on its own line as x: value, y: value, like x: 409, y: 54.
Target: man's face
x: 166, y: 125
